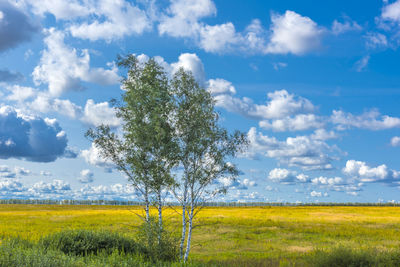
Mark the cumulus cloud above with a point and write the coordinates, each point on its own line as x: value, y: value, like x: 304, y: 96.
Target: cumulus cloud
x: 100, y: 113
x: 220, y: 86
x: 322, y: 180
x: 182, y: 18
x: 316, y: 194
x: 371, y: 120
x: 15, y: 27
x: 6, y: 172
x: 62, y: 69
x: 188, y: 61
x: 395, y: 141
x: 280, y: 104
x: 45, y: 103
x: 113, y: 20
x: 285, y: 176
x: 96, y: 20
x: 93, y: 157
x: 86, y: 176
x: 218, y: 38
x: 114, y: 192
x: 293, y: 33
x: 20, y: 93
x: 45, y: 173
x: 30, y: 138
x: 391, y: 11
x: 299, y: 122
x: 8, y: 186
x: 365, y: 173
x: 289, y: 33
x: 56, y: 186
x: 300, y: 151
x: 192, y: 63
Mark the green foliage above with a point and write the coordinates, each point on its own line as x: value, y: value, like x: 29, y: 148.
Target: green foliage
x: 22, y: 253
x: 84, y: 242
x: 164, y: 248
x: 347, y: 257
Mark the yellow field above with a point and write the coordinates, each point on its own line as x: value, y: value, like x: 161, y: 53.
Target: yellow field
x: 227, y: 233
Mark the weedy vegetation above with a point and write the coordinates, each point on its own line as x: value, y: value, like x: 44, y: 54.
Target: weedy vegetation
x: 225, y: 236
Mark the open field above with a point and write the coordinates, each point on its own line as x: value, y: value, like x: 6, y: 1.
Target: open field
x: 226, y: 234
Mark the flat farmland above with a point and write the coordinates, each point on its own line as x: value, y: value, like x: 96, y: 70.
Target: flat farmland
x: 225, y: 234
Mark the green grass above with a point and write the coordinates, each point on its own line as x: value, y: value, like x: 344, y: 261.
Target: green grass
x: 225, y: 236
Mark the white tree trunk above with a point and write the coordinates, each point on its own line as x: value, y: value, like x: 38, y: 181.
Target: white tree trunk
x: 160, y: 223
x: 189, y: 238
x: 147, y: 203
x: 183, y: 218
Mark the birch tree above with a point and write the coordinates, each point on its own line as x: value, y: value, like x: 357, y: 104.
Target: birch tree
x: 204, y: 146
x: 146, y: 152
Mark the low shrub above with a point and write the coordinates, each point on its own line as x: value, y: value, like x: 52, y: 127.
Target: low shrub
x: 84, y: 242
x: 159, y: 244
x: 347, y: 257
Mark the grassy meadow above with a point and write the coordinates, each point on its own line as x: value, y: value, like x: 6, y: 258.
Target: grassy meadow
x: 248, y: 236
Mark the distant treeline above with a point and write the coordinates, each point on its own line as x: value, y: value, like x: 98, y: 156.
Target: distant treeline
x: 206, y: 204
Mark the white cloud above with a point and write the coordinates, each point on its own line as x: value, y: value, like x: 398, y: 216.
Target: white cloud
x: 280, y: 105
x: 45, y: 103
x: 31, y: 138
x: 183, y: 17
x: 300, y: 151
x: 391, y: 11
x: 93, y: 157
x: 375, y: 40
x: 45, y: 173
x: 100, y: 113
x: 345, y: 26
x: 316, y: 194
x: 395, y: 141
x: 114, y: 20
x: 293, y: 33
x: 371, y: 120
x: 192, y: 63
x: 327, y: 181
x: 246, y: 182
x: 61, y: 9
x: 10, y: 185
x: 86, y: 176
x: 63, y: 69
x: 56, y: 186
x: 96, y: 20
x: 6, y: 172
x: 365, y: 173
x: 20, y: 93
x: 285, y: 176
x: 279, y: 65
x: 322, y: 134
x: 22, y: 171
x: 361, y: 64
x: 220, y: 86
x: 299, y: 122
x: 115, y: 191
x: 218, y: 38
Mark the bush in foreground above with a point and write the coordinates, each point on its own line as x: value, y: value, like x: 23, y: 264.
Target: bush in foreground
x: 159, y: 244
x: 347, y: 257
x: 85, y: 242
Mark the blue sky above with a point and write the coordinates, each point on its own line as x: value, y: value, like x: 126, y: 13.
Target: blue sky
x: 315, y: 85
